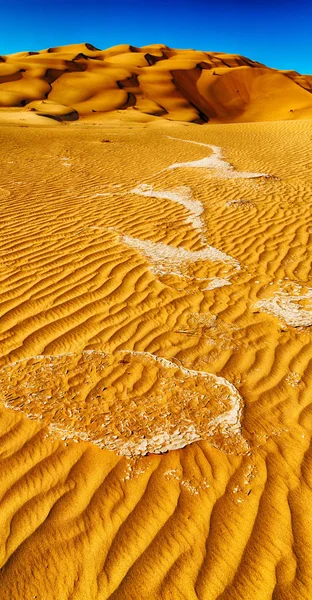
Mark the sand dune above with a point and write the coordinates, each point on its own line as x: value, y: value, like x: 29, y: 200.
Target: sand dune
x: 143, y: 84
x: 155, y: 337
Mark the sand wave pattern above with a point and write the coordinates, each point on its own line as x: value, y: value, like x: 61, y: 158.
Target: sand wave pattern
x: 173, y: 307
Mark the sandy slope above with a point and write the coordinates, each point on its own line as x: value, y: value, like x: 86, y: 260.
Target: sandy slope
x: 146, y: 83
x: 161, y: 288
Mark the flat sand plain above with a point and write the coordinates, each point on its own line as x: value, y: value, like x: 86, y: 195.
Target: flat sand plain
x: 156, y: 352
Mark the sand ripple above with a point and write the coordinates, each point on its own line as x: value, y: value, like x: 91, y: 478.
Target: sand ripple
x: 210, y: 520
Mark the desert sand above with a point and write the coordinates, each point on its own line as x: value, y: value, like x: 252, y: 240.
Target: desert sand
x: 155, y: 331
x: 80, y: 81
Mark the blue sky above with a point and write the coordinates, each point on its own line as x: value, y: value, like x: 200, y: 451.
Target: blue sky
x: 274, y: 32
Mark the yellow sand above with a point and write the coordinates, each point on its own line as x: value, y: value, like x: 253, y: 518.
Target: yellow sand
x: 155, y: 355
x: 80, y: 81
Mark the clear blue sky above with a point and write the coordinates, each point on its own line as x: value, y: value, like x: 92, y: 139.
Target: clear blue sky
x: 277, y: 33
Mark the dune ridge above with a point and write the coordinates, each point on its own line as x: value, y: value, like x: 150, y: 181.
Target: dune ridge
x: 74, y: 82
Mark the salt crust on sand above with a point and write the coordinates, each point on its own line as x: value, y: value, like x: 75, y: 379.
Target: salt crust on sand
x: 182, y: 196
x: 229, y: 418
x: 220, y: 412
x: 215, y: 161
x: 216, y: 282
x: 170, y: 260
x: 285, y: 305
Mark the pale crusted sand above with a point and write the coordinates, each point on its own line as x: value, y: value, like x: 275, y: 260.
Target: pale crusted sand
x: 168, y: 260
x: 288, y: 304
x: 216, y: 162
x: 181, y: 195
x: 155, y: 348
x: 124, y: 420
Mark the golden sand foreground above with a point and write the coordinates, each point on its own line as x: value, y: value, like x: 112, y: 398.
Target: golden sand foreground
x: 156, y: 352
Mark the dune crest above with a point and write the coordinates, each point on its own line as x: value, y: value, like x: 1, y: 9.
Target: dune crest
x: 80, y: 81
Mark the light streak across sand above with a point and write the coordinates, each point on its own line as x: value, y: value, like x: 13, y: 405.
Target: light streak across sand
x: 216, y: 282
x: 286, y: 306
x: 170, y: 260
x: 182, y: 196
x: 216, y: 162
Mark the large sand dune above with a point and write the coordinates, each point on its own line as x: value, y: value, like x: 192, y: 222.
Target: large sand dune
x: 155, y: 340
x: 80, y: 81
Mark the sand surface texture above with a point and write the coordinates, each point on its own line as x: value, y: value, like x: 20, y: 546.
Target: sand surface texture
x: 144, y: 84
x: 155, y: 355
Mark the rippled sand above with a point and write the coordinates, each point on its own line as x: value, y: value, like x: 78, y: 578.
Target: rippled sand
x: 155, y: 354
